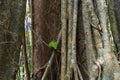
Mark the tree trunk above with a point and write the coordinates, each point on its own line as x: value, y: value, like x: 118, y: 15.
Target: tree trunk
x: 93, y: 49
x: 101, y: 61
x: 12, y: 15
x: 46, y: 18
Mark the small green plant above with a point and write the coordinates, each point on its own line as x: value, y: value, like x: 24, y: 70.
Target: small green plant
x: 53, y: 44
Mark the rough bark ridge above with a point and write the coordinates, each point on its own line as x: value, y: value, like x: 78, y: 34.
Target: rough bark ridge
x: 12, y: 15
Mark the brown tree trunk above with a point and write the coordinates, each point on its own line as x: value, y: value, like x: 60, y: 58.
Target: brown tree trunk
x: 46, y: 18
x: 12, y: 15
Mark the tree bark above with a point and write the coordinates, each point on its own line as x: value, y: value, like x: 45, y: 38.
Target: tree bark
x: 12, y: 14
x: 114, y: 10
x: 98, y: 60
x: 64, y: 38
x: 110, y: 65
x: 46, y: 26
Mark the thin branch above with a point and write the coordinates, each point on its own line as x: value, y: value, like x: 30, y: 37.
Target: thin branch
x: 79, y: 73
x: 51, y: 59
x: 40, y: 39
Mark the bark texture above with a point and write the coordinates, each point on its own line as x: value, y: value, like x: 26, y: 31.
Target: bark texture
x: 12, y: 13
x: 64, y: 38
x: 115, y: 22
x: 46, y: 18
x: 85, y: 39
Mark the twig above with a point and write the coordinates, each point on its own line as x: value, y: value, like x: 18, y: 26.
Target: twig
x: 99, y: 68
x: 51, y: 59
x: 45, y: 43
x: 79, y: 73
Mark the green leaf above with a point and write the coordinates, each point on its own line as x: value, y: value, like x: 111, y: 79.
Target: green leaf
x: 53, y: 44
